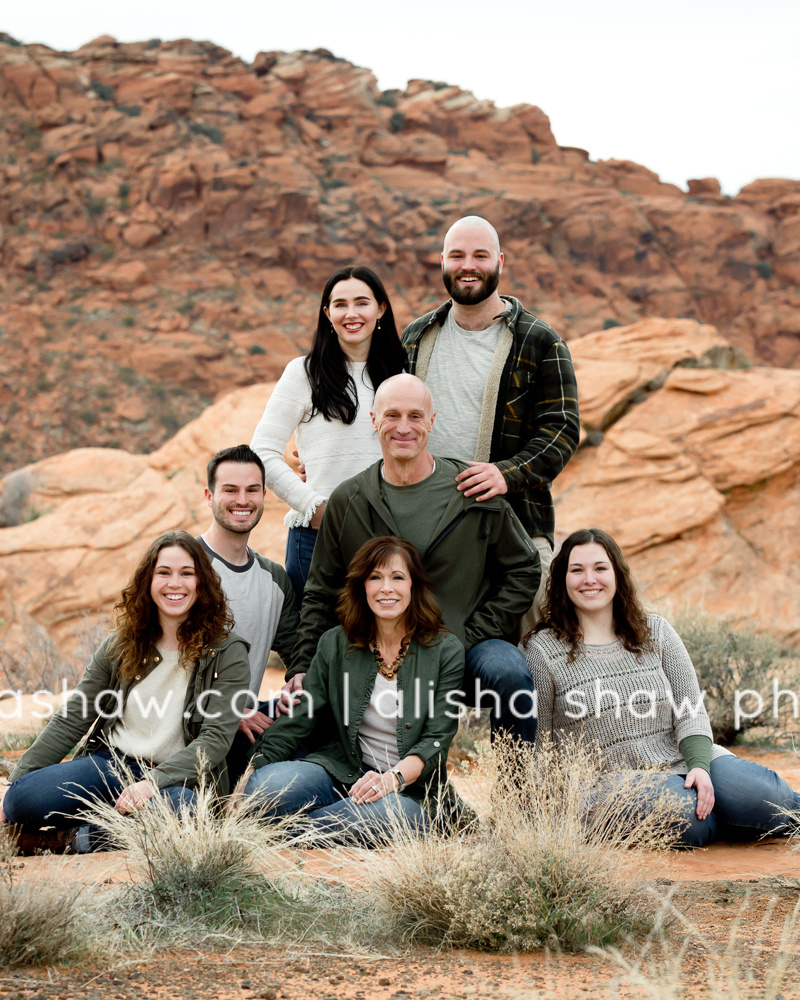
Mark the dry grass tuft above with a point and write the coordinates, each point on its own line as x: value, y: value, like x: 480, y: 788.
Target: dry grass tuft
x: 554, y: 865
x: 746, y: 967
x: 44, y: 922
x: 207, y: 876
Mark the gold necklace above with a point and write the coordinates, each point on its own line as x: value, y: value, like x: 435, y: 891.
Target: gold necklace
x: 389, y: 670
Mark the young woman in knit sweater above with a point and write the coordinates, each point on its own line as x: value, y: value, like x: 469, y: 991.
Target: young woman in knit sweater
x: 325, y: 399
x: 604, y: 668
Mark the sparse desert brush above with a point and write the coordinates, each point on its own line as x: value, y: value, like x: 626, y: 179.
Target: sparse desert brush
x: 44, y: 922
x: 205, y: 874
x: 8, y: 844
x: 553, y: 864
x: 728, y: 659
x: 745, y: 967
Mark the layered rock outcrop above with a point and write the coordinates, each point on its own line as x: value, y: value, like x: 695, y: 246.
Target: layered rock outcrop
x: 168, y: 214
x: 691, y: 459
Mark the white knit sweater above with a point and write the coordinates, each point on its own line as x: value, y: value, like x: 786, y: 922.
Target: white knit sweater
x: 637, y: 708
x: 330, y: 450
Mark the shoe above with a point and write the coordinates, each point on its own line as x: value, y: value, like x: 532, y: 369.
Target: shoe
x: 46, y: 841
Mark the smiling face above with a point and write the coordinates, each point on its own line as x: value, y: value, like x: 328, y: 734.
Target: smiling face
x: 353, y: 312
x: 591, y: 582
x: 403, y: 417
x: 388, y: 590
x: 173, y: 587
x: 471, y: 262
x: 237, y: 502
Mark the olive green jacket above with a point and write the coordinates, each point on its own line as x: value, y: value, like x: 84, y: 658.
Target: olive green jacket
x: 210, y: 719
x: 484, y: 568
x: 336, y: 693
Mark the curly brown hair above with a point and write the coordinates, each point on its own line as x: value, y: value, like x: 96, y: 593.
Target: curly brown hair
x: 423, y: 618
x: 558, y: 612
x: 136, y: 616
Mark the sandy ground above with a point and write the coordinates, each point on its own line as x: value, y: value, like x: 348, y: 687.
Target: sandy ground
x: 727, y: 896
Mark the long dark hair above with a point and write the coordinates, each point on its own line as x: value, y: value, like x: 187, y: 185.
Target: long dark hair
x: 333, y: 391
x: 138, y: 625
x: 423, y: 619
x: 558, y: 613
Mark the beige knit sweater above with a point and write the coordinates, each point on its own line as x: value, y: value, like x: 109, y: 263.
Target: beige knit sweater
x: 636, y: 708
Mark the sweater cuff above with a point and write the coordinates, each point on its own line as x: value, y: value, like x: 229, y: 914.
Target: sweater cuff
x: 696, y: 751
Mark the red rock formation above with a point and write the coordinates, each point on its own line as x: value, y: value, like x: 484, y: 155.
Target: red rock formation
x: 692, y: 460
x: 168, y: 214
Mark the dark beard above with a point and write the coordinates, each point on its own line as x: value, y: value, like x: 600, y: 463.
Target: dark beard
x: 486, y: 286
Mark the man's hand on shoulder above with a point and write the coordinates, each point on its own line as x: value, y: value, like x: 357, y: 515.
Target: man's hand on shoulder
x: 288, y: 699
x: 484, y: 478
x: 254, y: 725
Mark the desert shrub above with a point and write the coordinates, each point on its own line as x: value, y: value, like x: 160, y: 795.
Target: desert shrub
x: 472, y: 739
x: 44, y: 921
x: 397, y: 121
x: 15, y: 489
x: 549, y: 866
x: 256, y: 349
x: 729, y: 659
x: 388, y: 98
x: 609, y: 324
x: 209, y: 131
x: 208, y: 875
x: 764, y: 269
x: 103, y: 90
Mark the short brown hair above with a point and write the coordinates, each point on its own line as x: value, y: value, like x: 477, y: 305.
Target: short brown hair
x: 423, y: 618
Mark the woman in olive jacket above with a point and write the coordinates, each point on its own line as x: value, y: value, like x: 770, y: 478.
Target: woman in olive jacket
x: 157, y: 702
x: 387, y: 682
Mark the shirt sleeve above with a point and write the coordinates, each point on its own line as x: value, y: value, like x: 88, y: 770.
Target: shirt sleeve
x: 688, y: 708
x: 555, y: 422
x: 289, y: 404
x: 696, y: 751
x: 544, y: 687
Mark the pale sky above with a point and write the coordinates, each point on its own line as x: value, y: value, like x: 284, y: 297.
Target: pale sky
x: 691, y: 88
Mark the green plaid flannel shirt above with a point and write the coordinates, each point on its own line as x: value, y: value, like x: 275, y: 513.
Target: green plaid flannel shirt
x: 536, y: 427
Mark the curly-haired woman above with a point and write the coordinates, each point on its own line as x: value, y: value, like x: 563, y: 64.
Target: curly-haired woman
x: 607, y: 670
x: 157, y: 702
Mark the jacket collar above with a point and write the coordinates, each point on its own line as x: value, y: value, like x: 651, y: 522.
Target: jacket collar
x: 510, y: 314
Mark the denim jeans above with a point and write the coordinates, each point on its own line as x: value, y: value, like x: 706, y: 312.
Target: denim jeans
x: 505, y: 684
x: 52, y: 795
x: 300, y: 544
x: 300, y: 786
x: 750, y: 801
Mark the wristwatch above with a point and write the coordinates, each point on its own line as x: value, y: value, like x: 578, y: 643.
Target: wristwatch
x: 396, y: 771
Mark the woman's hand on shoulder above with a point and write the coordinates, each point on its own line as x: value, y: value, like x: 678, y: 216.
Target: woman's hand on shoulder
x: 134, y: 797
x: 700, y: 779
x: 372, y: 786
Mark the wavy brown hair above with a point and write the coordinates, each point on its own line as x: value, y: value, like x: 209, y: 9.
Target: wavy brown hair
x: 558, y: 613
x: 136, y: 616
x: 423, y: 618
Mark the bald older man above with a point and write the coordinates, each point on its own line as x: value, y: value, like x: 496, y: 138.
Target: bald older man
x: 479, y: 557
x: 503, y: 381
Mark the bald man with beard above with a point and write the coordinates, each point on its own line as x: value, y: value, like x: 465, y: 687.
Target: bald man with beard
x: 480, y: 559
x: 504, y: 385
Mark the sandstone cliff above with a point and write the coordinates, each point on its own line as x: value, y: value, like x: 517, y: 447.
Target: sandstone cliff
x: 168, y: 214
x: 690, y: 459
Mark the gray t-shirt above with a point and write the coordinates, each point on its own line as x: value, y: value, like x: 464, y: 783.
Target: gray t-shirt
x: 257, y: 601
x: 418, y: 508
x: 456, y: 376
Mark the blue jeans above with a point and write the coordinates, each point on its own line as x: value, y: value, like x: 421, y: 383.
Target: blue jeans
x: 300, y: 544
x: 750, y: 801
x: 49, y: 796
x: 300, y: 786
x: 505, y: 684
